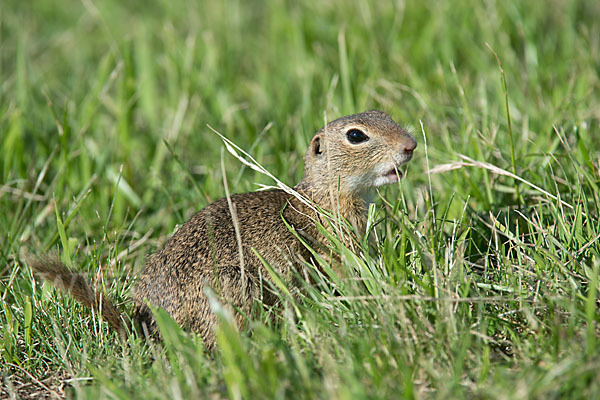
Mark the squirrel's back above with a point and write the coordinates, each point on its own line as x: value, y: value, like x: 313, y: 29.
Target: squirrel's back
x: 217, y: 248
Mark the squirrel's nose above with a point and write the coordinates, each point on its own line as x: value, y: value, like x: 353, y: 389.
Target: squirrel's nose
x: 410, y: 145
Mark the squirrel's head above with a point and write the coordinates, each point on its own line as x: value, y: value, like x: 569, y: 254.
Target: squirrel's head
x: 357, y: 153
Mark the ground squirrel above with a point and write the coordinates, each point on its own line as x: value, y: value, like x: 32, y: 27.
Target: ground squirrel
x: 345, y: 161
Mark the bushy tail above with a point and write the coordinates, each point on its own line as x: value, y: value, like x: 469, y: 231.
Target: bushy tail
x: 63, y: 278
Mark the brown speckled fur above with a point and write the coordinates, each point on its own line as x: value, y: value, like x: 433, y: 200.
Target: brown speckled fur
x: 204, y: 252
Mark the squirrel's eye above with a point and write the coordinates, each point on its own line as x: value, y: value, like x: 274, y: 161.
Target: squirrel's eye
x: 356, y: 136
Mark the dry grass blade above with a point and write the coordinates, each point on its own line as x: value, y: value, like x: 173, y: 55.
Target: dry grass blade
x: 233, y: 149
x: 494, y: 169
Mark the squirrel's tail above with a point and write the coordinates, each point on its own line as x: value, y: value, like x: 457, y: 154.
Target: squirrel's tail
x: 63, y: 278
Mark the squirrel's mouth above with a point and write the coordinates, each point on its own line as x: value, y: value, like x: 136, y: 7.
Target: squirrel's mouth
x: 393, y: 175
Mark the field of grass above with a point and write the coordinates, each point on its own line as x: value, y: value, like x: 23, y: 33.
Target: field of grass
x: 482, y: 278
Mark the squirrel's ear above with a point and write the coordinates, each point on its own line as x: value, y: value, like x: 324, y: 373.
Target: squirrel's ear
x: 315, y: 146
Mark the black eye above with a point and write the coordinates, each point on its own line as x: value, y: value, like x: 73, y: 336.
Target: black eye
x: 356, y: 136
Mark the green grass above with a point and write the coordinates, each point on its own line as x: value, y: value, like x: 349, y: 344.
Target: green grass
x: 482, y: 280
